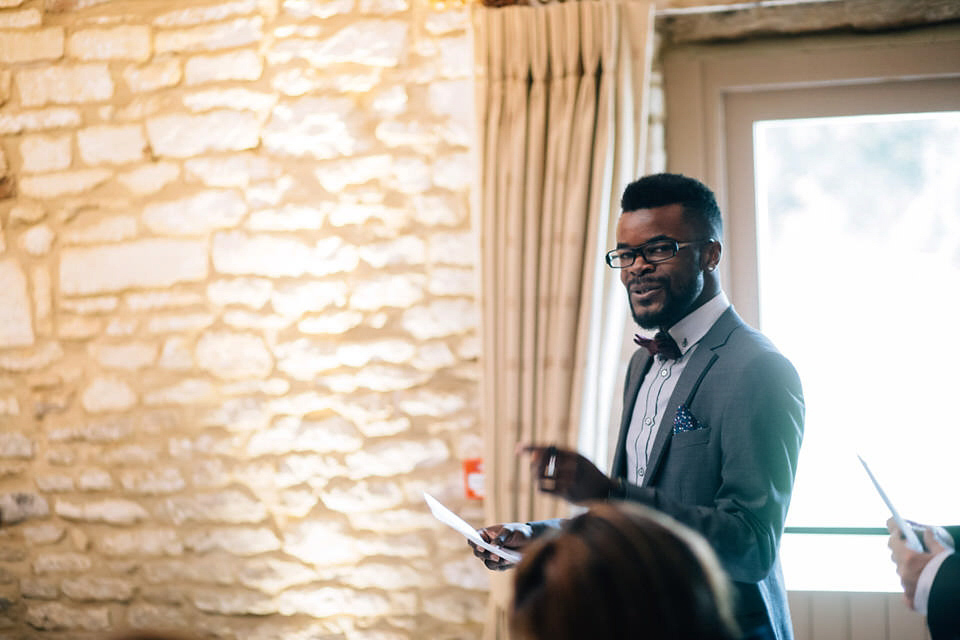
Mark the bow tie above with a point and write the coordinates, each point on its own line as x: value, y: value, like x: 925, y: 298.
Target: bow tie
x: 661, y: 344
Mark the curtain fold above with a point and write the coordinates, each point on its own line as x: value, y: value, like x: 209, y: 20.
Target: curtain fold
x: 561, y: 112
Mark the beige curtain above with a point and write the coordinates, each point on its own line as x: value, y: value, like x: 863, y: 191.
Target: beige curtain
x: 561, y: 106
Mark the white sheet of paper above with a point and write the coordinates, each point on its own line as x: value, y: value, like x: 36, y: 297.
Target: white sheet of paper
x: 913, y: 542
x: 460, y: 525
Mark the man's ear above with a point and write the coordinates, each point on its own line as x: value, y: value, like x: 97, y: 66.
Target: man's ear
x: 710, y: 256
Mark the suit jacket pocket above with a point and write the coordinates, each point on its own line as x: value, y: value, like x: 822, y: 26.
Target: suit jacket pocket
x: 691, y: 438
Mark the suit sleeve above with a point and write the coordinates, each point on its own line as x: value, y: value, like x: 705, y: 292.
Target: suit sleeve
x: 943, y: 607
x: 760, y: 430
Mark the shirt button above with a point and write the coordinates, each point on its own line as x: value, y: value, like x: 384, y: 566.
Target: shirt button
x: 640, y: 471
x: 663, y: 372
x: 648, y: 421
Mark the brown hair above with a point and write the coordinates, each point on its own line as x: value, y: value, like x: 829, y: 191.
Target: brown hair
x: 622, y: 571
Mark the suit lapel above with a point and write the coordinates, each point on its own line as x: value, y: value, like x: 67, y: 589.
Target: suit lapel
x: 700, y: 362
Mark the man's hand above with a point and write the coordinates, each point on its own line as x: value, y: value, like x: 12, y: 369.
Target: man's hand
x: 513, y: 535
x: 910, y: 563
x: 567, y: 474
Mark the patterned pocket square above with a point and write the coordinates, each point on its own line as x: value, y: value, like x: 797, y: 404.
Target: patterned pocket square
x: 684, y: 421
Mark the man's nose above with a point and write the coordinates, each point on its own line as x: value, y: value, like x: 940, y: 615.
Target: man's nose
x: 640, y: 266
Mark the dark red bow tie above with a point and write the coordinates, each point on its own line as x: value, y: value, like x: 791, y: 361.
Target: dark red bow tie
x: 662, y: 344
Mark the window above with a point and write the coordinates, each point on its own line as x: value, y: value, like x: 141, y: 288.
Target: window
x: 836, y: 167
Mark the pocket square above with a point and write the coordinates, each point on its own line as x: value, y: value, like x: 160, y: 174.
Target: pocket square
x: 684, y: 421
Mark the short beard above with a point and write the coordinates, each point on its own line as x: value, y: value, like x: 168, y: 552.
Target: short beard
x: 677, y: 306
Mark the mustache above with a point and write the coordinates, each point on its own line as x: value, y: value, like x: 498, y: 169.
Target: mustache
x: 646, y: 281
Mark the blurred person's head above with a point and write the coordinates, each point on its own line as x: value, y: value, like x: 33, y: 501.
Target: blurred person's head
x: 622, y: 571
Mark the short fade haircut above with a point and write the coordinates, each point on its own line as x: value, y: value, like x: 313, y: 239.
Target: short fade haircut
x: 662, y: 189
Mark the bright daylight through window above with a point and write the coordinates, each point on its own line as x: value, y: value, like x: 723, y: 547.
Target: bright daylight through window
x: 858, y: 232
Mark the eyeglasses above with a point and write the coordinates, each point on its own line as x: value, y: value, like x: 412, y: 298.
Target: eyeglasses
x: 659, y: 250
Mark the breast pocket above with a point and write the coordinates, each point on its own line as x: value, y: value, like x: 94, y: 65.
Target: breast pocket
x: 691, y: 438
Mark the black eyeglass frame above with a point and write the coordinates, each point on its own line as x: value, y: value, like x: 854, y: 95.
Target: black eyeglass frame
x: 641, y: 250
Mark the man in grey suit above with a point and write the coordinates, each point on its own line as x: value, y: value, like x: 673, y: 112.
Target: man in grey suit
x: 712, y: 415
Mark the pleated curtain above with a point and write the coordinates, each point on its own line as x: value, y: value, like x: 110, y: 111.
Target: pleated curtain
x: 562, y: 111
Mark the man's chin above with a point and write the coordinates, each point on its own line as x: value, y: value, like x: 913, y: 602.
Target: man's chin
x: 647, y: 319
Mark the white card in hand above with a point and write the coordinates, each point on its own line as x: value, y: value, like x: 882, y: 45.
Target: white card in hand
x: 913, y: 542
x: 457, y: 523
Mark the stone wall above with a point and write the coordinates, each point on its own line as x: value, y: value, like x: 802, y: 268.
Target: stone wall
x: 237, y: 325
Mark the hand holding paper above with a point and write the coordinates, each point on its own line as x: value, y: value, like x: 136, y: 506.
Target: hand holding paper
x: 457, y: 523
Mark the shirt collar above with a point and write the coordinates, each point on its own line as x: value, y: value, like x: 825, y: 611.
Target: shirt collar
x: 692, y: 327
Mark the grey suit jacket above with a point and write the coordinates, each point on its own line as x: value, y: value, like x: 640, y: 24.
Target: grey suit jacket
x: 731, y: 477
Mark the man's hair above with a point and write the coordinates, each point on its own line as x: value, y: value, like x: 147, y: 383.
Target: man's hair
x: 662, y: 189
x: 622, y: 571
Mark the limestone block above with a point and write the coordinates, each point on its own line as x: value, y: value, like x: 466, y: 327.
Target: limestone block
x: 299, y: 298
x: 376, y: 377
x: 289, y: 433
x: 337, y: 175
x: 60, y: 562
x: 364, y: 496
x: 371, y: 42
x: 16, y: 327
x: 303, y: 359
x: 453, y: 171
x: 381, y: 575
x: 197, y: 569
x: 111, y: 511
x: 236, y: 65
x: 183, y: 136
x: 235, y: 170
x: 31, y: 46
x: 419, y: 135
x: 396, y: 457
x: 158, y: 74
x: 229, y: 506
x: 270, y: 575
x: 130, y: 356
x: 147, y: 263
x: 179, y: 323
x: 395, y: 520
x: 241, y: 541
x: 55, y: 185
x: 292, y: 217
x: 195, y: 215
x: 239, y: 414
x: 108, y: 394
x: 176, y: 355
x: 36, y: 241
x: 402, y: 251
x: 94, y: 480
x: 322, y: 602
x: 323, y: 128
x: 107, y: 144
x: 230, y: 356
x: 440, y: 318
x: 33, y: 360
x: 435, y: 404
x: 140, y: 542
x: 39, y: 589
x: 64, y: 84
x: 321, y: 543
x: 145, y: 615
x: 129, y: 42
x: 150, y: 178
x: 335, y: 323
x: 232, y: 603
x: 250, y: 292
x: 93, y: 588
x: 316, y: 8
x: 20, y: 506
x: 38, y: 120
x: 383, y: 7
x: 9, y: 406
x: 150, y: 300
x: 45, y: 153
x: 21, y: 19
x: 53, y: 483
x: 236, y: 98
x: 27, y: 212
x: 226, y: 35
x: 131, y: 454
x: 449, y: 20
x: 270, y: 387
x: 455, y: 606
x: 400, y: 291
x: 199, y: 15
x: 445, y: 281
x: 457, y: 248
x: 360, y: 354
x: 53, y: 616
x: 259, y: 255
x: 409, y: 174
x: 41, y: 534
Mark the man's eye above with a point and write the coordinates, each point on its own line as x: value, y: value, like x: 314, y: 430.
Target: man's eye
x: 659, y: 249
